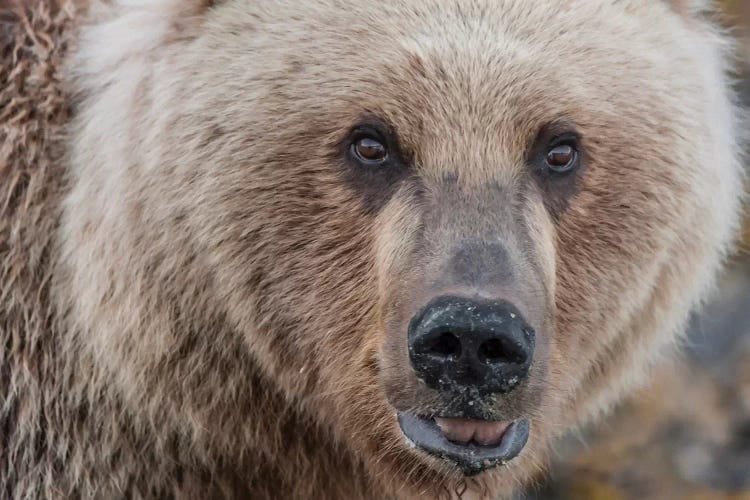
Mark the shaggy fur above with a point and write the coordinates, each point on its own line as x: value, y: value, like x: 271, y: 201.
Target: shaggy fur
x: 198, y: 301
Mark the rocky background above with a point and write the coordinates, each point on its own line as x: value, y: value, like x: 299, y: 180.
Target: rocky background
x: 687, y: 435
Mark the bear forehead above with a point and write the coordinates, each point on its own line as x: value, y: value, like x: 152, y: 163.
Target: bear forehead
x: 362, y: 47
x: 498, y: 69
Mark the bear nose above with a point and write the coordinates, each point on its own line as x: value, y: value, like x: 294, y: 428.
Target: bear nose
x: 458, y: 343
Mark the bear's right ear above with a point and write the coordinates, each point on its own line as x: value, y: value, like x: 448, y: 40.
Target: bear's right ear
x: 175, y: 15
x: 126, y: 29
x: 690, y: 8
x: 189, y: 13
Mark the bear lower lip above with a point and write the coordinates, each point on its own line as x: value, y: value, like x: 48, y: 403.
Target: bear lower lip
x: 507, y: 440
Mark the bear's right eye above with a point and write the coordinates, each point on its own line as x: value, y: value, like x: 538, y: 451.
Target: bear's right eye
x: 369, y: 151
x: 562, y: 158
x: 374, y: 164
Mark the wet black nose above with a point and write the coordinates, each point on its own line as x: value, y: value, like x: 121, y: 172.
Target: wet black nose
x: 457, y: 344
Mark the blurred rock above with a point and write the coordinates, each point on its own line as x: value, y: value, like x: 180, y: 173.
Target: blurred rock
x: 687, y: 435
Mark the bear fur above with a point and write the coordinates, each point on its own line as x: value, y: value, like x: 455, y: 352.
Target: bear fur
x: 194, y: 300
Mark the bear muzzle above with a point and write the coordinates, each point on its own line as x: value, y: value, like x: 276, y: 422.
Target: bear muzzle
x: 469, y: 350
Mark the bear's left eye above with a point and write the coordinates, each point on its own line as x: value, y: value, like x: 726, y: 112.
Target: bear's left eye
x: 369, y: 151
x: 556, y: 153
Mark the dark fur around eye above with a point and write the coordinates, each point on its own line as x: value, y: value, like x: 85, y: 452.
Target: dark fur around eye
x: 373, y: 179
x: 559, y: 182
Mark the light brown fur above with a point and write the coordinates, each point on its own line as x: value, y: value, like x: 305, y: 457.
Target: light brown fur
x: 196, y: 304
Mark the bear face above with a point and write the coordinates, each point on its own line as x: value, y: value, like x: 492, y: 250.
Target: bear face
x: 491, y: 214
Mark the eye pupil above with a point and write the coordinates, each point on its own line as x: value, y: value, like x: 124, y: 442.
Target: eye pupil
x: 370, y: 150
x: 561, y: 157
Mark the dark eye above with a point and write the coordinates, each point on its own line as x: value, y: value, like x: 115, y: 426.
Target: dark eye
x: 562, y: 158
x: 369, y: 151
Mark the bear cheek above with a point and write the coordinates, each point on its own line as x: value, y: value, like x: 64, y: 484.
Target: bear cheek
x: 396, y: 264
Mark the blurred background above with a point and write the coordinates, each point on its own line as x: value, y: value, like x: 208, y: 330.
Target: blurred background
x: 687, y: 434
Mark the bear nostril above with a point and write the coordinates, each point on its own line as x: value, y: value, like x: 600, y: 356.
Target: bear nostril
x: 497, y: 351
x: 446, y: 345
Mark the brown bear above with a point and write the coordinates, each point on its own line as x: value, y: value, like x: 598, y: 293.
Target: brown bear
x: 325, y: 249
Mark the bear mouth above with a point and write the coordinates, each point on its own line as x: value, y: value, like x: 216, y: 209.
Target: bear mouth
x: 472, y: 445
